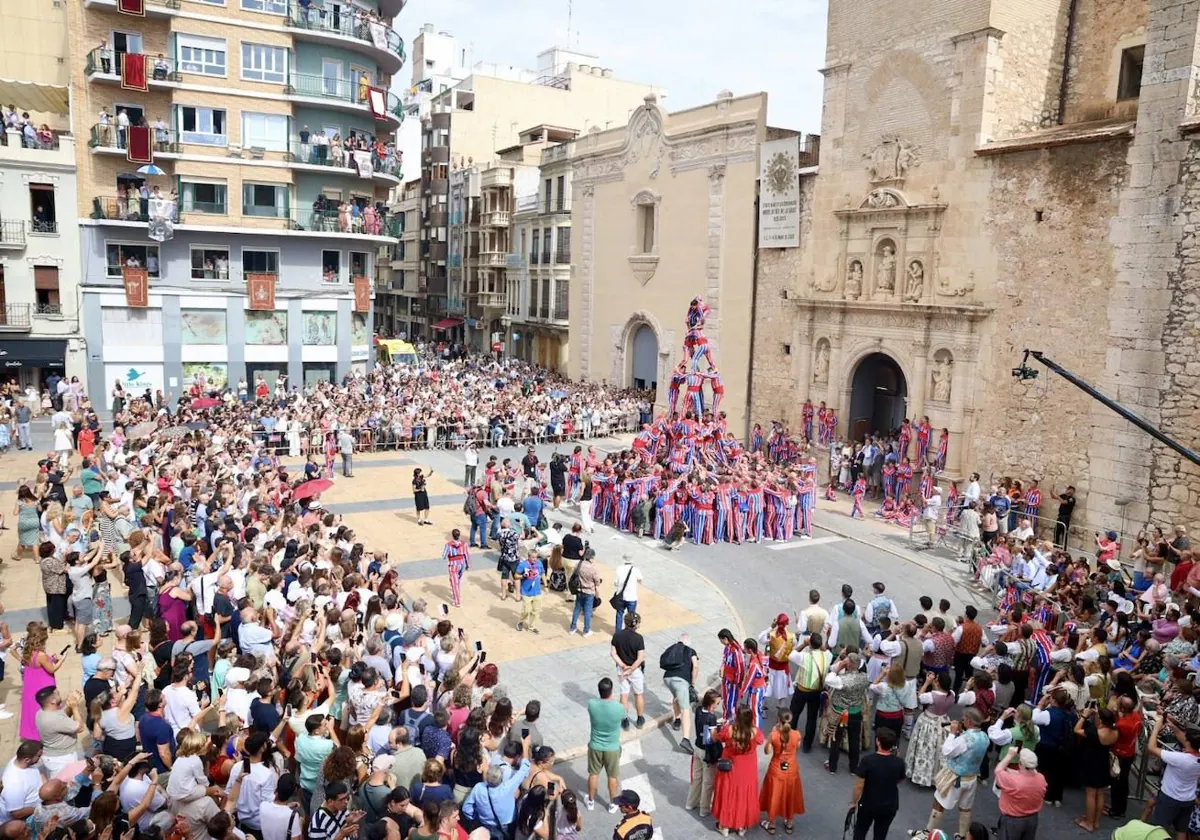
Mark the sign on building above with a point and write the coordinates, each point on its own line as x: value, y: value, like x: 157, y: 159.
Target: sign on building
x: 779, y: 194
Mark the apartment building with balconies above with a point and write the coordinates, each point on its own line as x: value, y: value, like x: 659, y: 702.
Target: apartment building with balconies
x: 397, y: 303
x: 265, y: 131
x: 474, y: 125
x: 39, y: 256
x: 539, y: 281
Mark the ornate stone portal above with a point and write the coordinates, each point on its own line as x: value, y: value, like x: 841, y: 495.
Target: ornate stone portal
x: 880, y: 292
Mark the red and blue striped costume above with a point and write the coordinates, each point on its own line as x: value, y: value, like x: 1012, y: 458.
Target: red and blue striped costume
x: 775, y: 511
x: 889, y: 480
x: 806, y: 419
x: 574, y: 471
x: 821, y: 412
x: 754, y: 513
x: 702, y: 528
x: 1033, y: 503
x: 943, y: 450
x: 904, y: 474
x: 808, y: 497
x: 733, y: 672
x: 724, y: 510
x: 1043, y: 646
x: 756, y: 439
x: 905, y: 437
x: 695, y: 393
x: 828, y: 427
x: 458, y: 560
x: 927, y: 484
x: 923, y: 432
x: 754, y: 686
x: 858, y: 493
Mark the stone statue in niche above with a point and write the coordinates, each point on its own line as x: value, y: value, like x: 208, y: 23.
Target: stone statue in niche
x: 821, y: 368
x: 854, y: 280
x: 915, y: 284
x: 885, y: 272
x: 943, y: 375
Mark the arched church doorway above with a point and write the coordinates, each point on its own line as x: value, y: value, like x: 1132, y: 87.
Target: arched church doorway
x: 878, y: 397
x: 645, y: 358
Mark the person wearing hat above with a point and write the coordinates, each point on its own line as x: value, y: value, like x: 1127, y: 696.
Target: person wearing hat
x: 1021, y: 790
x: 635, y: 823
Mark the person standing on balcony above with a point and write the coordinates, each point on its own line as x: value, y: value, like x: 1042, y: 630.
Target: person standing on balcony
x: 105, y: 57
x: 122, y: 127
x: 305, y: 136
x: 161, y: 137
x: 106, y: 138
x: 161, y: 68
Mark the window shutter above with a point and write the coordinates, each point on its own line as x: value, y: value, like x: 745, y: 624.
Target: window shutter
x: 45, y: 278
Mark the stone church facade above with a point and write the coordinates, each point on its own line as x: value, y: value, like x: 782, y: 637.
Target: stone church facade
x: 998, y: 175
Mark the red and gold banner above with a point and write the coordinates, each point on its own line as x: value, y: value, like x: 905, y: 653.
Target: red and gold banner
x: 261, y: 290
x: 137, y: 287
x: 377, y: 102
x: 362, y: 294
x: 133, y: 72
x: 138, y: 148
x: 137, y: 8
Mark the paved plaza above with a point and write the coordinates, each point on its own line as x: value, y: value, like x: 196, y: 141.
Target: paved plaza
x: 698, y: 590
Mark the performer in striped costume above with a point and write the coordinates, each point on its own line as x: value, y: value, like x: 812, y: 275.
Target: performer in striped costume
x: 1033, y: 502
x: 859, y: 491
x: 829, y: 427
x: 702, y: 532
x: 905, y: 437
x: 733, y: 672
x: 754, y: 682
x: 806, y: 417
x: 458, y: 560
x: 904, y: 474
x: 889, y: 480
x: 754, y: 512
x: 724, y: 510
x: 574, y: 473
x: 821, y: 412
x: 924, y: 430
x: 943, y: 449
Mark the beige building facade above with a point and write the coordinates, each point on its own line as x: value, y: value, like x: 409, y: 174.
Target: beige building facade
x: 662, y: 211
x: 996, y: 176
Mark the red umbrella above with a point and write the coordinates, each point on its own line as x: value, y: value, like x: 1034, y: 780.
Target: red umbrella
x: 311, y: 488
x: 205, y: 402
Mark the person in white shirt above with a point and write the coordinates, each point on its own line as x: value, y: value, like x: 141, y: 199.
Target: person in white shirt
x: 133, y: 790
x: 973, y: 491
x: 22, y: 781
x: 1024, y: 529
x: 281, y: 818
x: 933, y: 507
x: 259, y: 783
x: 181, y: 708
x: 471, y: 464
x: 625, y: 583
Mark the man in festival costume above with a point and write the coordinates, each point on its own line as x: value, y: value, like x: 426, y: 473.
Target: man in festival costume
x: 779, y: 642
x: 733, y: 672
x: 924, y: 430
x: 806, y: 420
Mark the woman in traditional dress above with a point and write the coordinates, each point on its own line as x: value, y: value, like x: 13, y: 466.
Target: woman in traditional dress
x: 778, y: 642
x: 924, y: 757
x: 735, y: 793
x: 782, y: 794
x: 293, y: 437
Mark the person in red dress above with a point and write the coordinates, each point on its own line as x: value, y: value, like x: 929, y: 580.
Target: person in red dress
x: 782, y: 796
x: 735, y: 794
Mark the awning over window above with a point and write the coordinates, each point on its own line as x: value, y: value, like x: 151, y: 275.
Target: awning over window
x: 31, y: 96
x: 447, y: 323
x: 32, y: 353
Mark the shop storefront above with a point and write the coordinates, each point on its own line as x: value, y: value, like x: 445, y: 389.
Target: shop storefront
x: 31, y: 360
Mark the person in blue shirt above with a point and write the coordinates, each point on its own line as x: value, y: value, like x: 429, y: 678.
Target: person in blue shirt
x: 532, y: 506
x: 1001, y: 503
x: 156, y: 734
x: 492, y: 802
x: 532, y: 574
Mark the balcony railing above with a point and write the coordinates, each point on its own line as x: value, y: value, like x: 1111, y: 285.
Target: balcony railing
x: 12, y: 233
x: 107, y: 61
x: 533, y: 257
x: 45, y: 228
x: 46, y: 142
x: 497, y: 218
x: 327, y: 221
x: 344, y: 90
x: 48, y: 310
x: 563, y: 256
x: 546, y: 257
x: 314, y: 155
x: 492, y: 259
x: 16, y: 316
x: 320, y: 20
x: 107, y: 137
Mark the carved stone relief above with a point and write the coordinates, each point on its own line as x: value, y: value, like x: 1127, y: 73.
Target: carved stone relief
x: 948, y: 288
x: 891, y: 159
x: 881, y: 200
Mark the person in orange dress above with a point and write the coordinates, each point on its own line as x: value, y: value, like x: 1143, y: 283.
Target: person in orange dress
x: 87, y: 442
x: 782, y: 794
x: 735, y: 794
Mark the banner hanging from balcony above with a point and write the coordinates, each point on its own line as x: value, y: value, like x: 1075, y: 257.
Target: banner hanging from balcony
x: 133, y: 72
x: 362, y: 294
x: 377, y: 100
x: 779, y: 202
x: 137, y: 287
x: 132, y: 7
x: 261, y: 290
x: 379, y: 36
x: 362, y: 162
x: 138, y: 147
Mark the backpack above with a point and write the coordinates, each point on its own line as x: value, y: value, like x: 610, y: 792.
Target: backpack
x: 673, y: 657
x: 415, y: 723
x: 470, y: 506
x: 573, y: 581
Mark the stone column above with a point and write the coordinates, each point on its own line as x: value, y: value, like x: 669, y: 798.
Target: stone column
x: 917, y: 388
x: 586, y: 318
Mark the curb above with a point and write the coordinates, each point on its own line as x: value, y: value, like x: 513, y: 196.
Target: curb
x: 653, y: 724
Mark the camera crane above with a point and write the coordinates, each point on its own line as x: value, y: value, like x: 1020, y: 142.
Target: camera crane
x: 1024, y: 372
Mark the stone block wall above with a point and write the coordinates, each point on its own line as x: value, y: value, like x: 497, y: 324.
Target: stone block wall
x: 1103, y: 28
x: 1030, y: 61
x: 1047, y: 222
